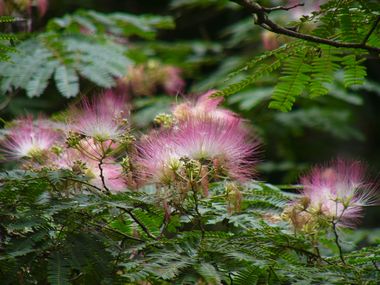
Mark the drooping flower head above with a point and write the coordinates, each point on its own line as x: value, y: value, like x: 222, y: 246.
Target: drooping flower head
x: 205, y: 107
x: 338, y: 191
x: 103, y: 118
x: 223, y: 147
x: 30, y: 139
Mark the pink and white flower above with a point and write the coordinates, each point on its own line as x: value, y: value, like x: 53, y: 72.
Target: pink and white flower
x: 111, y: 171
x: 173, y: 83
x: 28, y: 139
x: 103, y: 118
x: 205, y: 107
x: 223, y: 143
x: 339, y: 191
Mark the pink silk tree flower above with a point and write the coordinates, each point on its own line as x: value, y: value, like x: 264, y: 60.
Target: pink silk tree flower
x: 222, y: 144
x: 339, y: 191
x: 29, y: 139
x: 173, y: 83
x: 205, y: 107
x: 157, y: 157
x: 112, y: 172
x: 103, y: 118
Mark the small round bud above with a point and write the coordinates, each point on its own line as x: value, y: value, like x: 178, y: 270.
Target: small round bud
x: 73, y: 139
x: 164, y: 120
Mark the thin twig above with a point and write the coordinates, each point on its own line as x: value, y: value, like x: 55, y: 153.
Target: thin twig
x: 137, y: 221
x: 282, y: 8
x: 263, y: 21
x: 337, y: 242
x: 85, y: 183
x: 199, y: 216
x: 100, y: 165
x: 371, y: 30
x: 117, y: 232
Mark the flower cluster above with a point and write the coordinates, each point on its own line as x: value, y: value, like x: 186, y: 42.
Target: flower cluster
x: 198, y: 143
x: 334, y: 194
x: 202, y: 143
x: 86, y: 143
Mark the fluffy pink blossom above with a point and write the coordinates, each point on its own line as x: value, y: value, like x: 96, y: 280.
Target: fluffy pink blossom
x: 173, y: 83
x: 103, y: 118
x: 157, y: 157
x: 223, y: 143
x: 29, y: 138
x: 112, y: 172
x: 205, y: 107
x: 339, y: 191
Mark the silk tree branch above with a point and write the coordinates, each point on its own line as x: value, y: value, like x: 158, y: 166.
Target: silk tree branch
x: 262, y: 20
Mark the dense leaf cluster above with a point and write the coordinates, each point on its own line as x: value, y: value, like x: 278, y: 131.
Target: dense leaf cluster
x: 308, y: 67
x: 49, y: 234
x: 87, y: 44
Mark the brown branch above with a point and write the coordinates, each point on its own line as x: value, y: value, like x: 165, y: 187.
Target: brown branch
x: 337, y: 242
x: 282, y: 8
x: 100, y: 165
x: 263, y: 21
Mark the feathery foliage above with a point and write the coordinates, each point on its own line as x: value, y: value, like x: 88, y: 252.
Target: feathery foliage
x: 87, y: 239
x: 85, y: 45
x: 306, y: 67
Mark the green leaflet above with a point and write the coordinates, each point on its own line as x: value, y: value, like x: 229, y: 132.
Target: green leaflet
x: 293, y: 80
x: 58, y: 269
x: 41, y: 59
